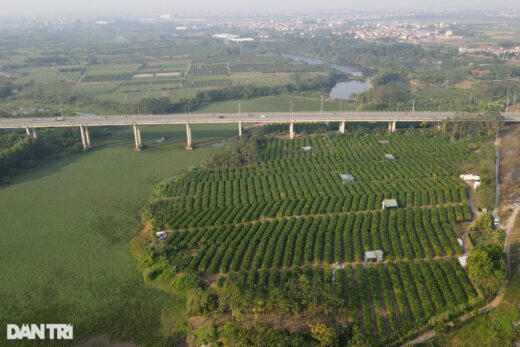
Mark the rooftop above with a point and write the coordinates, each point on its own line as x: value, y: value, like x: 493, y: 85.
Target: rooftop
x: 389, y: 156
x: 390, y: 203
x: 347, y: 178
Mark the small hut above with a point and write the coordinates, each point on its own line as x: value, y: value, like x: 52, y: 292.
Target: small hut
x: 389, y: 203
x: 347, y: 178
x: 376, y: 255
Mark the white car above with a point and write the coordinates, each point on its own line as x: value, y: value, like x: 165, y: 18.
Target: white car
x: 496, y: 222
x: 263, y: 116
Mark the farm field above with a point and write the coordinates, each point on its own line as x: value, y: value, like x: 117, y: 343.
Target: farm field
x: 275, y: 103
x: 269, y: 227
x: 70, y: 261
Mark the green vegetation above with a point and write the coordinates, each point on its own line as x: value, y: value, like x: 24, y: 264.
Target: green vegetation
x: 19, y: 152
x: 106, y: 77
x: 487, y: 261
x: 274, y: 233
x: 499, y: 327
x: 66, y: 230
x: 487, y: 269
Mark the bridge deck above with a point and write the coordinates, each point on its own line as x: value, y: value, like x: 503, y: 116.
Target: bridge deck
x: 151, y: 119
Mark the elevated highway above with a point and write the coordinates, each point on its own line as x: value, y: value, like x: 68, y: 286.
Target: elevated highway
x: 83, y: 122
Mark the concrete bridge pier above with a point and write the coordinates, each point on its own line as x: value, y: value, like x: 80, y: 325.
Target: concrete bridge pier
x: 291, y: 130
x: 83, y: 140
x: 342, y: 127
x: 34, y: 134
x: 240, y: 129
x: 28, y: 131
x: 189, y: 143
x: 392, y: 126
x: 85, y: 137
x: 137, y: 138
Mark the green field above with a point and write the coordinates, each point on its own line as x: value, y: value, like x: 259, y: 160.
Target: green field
x: 66, y: 229
x: 277, y: 103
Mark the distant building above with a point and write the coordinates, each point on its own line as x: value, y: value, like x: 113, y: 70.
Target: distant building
x: 232, y: 38
x: 376, y: 255
x: 478, y: 73
x: 347, y: 178
x: 389, y: 156
x: 389, y: 203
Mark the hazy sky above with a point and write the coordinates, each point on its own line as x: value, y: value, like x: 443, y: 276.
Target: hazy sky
x: 110, y: 7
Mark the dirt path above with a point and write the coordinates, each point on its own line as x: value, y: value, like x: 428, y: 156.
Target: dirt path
x: 500, y: 295
x: 507, y: 249
x: 498, y: 140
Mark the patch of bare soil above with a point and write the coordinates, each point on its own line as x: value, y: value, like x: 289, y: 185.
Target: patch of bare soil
x: 197, y: 322
x: 465, y: 85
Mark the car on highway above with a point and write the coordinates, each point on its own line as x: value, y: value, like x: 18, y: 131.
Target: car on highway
x: 496, y: 222
x: 60, y: 119
x: 220, y: 116
x: 263, y: 116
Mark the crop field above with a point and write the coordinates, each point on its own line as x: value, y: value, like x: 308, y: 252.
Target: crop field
x: 275, y: 103
x: 289, y: 214
x: 216, y: 83
x: 107, y: 77
x: 209, y: 70
x: 389, y: 300
x: 113, y: 69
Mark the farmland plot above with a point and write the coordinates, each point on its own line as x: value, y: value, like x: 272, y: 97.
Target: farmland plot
x: 287, y: 218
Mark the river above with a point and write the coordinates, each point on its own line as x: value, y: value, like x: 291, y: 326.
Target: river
x: 342, y: 90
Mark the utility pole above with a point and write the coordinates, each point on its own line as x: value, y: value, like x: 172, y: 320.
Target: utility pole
x: 507, y: 105
x: 413, y: 105
x: 322, y: 108
x: 239, y: 107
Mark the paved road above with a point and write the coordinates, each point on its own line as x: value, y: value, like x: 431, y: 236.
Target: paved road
x: 95, y: 120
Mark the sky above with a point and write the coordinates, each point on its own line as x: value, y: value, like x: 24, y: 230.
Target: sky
x: 205, y: 7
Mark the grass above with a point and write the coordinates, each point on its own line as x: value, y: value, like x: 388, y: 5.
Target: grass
x: 277, y: 103
x: 65, y: 235
x: 495, y: 328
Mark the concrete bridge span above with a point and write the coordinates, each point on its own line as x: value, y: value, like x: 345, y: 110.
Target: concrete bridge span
x: 135, y: 121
